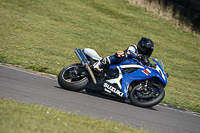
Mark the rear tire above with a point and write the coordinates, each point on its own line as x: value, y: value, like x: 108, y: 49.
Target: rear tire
x: 147, y: 102
x: 69, y: 82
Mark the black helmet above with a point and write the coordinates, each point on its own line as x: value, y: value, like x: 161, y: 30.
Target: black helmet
x: 145, y: 46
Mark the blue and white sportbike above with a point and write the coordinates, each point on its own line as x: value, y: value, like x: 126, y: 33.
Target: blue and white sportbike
x: 128, y: 80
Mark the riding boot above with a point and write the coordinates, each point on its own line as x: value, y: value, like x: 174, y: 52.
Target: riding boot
x: 99, y: 65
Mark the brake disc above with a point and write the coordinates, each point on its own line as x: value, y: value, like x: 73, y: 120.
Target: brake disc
x: 146, y: 93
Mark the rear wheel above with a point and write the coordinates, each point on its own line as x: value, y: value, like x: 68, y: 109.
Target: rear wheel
x: 146, y: 98
x: 70, y: 79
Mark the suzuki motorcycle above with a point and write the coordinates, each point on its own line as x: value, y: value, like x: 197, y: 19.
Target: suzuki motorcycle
x: 129, y: 80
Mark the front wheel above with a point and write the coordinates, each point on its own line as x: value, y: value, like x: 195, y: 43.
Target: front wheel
x: 70, y: 79
x: 148, y: 98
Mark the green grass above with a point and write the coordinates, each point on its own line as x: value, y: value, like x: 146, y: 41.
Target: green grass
x: 23, y: 118
x: 42, y: 35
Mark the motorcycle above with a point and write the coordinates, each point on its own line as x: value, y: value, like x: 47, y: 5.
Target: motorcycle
x: 129, y: 80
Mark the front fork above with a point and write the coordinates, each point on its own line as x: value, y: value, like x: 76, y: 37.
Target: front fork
x: 145, y: 85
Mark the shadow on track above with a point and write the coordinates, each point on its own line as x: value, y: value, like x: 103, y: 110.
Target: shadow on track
x: 95, y: 94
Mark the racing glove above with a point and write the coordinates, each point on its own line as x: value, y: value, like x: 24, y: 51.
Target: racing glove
x: 146, y: 61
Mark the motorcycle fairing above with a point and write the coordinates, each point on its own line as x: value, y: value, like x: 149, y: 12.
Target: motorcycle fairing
x: 107, y: 88
x: 128, y: 78
x: 142, y: 73
x: 160, y: 69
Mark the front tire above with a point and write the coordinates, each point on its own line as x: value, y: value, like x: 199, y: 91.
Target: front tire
x: 137, y: 99
x: 70, y: 80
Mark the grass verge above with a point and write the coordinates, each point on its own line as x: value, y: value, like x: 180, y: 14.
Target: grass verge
x: 42, y: 35
x: 24, y: 118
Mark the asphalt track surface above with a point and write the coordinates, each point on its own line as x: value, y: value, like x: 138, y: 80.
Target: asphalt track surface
x: 36, y: 89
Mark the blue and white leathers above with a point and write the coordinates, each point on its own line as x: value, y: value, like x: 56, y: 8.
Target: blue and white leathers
x: 130, y: 52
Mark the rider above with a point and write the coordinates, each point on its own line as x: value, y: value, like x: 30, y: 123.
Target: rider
x: 141, y: 52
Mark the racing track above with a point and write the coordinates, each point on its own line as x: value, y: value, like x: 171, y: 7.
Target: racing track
x: 35, y: 89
